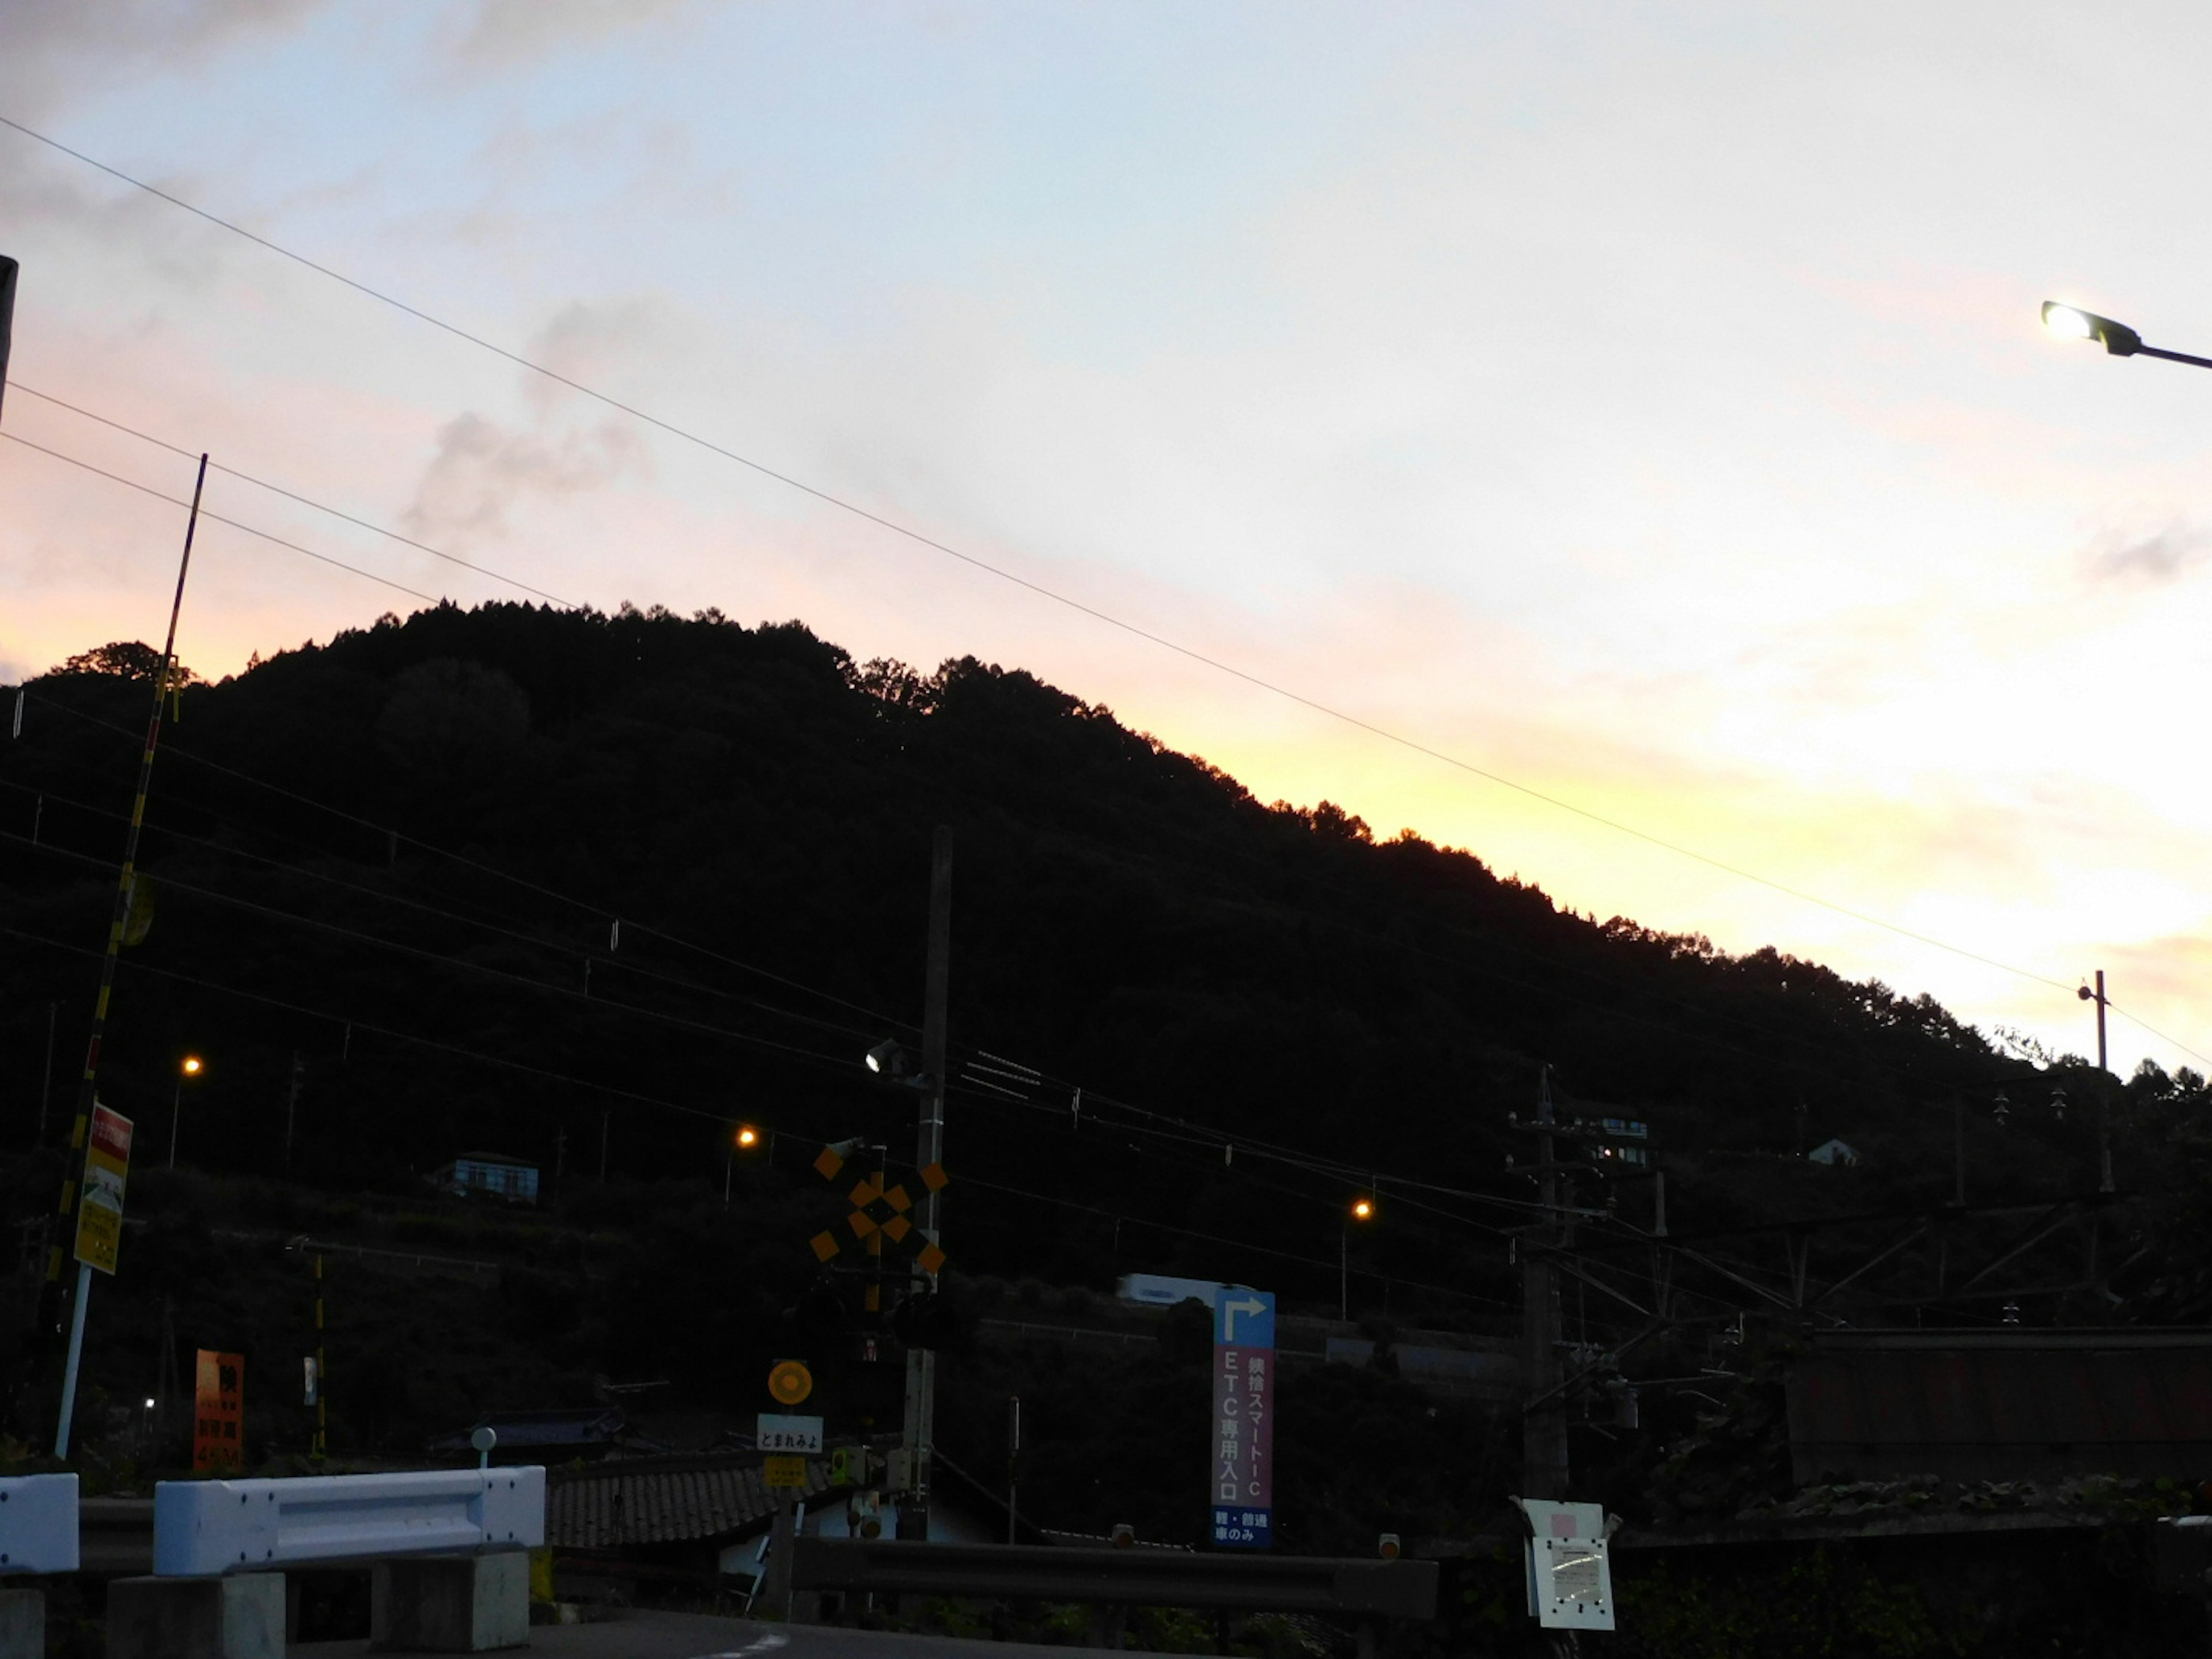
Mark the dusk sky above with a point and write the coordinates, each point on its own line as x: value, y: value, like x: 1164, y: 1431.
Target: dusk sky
x: 1642, y: 404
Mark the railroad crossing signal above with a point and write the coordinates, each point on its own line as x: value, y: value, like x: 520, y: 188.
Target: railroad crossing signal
x: 871, y: 1228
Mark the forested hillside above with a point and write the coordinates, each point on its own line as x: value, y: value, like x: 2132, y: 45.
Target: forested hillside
x: 590, y: 891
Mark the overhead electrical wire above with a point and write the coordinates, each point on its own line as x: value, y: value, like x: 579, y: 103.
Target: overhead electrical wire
x: 483, y: 970
x: 627, y: 968
x: 918, y: 537
x: 209, y: 513
x: 175, y: 749
x: 634, y: 1096
x: 289, y: 496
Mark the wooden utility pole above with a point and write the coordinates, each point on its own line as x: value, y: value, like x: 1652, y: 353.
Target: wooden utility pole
x: 929, y: 1151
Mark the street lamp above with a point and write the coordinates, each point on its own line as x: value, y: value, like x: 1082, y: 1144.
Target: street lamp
x: 2072, y: 323
x: 189, y: 1068
x: 743, y: 1138
x: 1362, y: 1209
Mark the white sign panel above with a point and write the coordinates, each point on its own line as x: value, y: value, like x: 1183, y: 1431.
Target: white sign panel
x: 780, y: 1433
x: 1569, y: 1577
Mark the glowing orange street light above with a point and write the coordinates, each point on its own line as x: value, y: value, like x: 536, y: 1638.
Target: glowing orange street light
x: 190, y: 1067
x: 1362, y: 1209
x: 743, y: 1138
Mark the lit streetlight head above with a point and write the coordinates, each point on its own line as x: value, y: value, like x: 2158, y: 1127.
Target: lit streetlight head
x: 890, y: 1058
x: 2072, y: 323
x: 747, y: 1135
x: 191, y: 1067
x: 1362, y: 1209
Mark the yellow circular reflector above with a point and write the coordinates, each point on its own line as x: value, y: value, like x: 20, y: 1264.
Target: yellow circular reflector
x: 790, y: 1382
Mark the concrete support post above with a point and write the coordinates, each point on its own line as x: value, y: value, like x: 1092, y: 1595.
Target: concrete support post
x: 240, y: 1617
x: 22, y: 1623
x: 450, y: 1603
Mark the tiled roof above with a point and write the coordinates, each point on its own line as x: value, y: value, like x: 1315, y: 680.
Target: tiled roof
x: 664, y: 1500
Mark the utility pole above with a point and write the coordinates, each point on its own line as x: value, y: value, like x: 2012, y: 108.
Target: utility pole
x: 47, y: 1079
x: 1543, y: 1421
x: 291, y: 1106
x: 2104, y: 1088
x: 929, y: 1151
x: 120, y: 917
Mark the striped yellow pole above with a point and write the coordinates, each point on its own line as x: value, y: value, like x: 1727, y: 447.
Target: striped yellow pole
x: 57, y: 1253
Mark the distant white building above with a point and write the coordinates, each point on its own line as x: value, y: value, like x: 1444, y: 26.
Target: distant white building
x: 488, y: 1173
x: 1163, y: 1291
x: 1833, y: 1152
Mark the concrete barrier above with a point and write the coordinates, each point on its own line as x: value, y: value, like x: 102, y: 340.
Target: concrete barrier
x: 210, y: 1526
x: 38, y: 1534
x: 447, y: 1549
x: 37, y: 1523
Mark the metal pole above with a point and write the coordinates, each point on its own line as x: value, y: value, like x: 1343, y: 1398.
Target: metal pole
x: 76, y: 1354
x: 119, y: 915
x: 291, y: 1107
x: 1343, y: 1271
x: 929, y: 1149
x: 1959, y: 1151
x: 47, y: 1078
x: 176, y: 1116
x: 321, y: 1448
x: 1013, y: 1452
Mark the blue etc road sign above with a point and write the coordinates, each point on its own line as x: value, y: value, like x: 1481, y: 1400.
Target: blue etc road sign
x: 1242, y: 1431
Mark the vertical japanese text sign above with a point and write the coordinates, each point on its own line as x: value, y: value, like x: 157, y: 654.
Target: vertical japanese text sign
x: 99, y: 1202
x: 218, y: 1412
x: 1243, y: 1433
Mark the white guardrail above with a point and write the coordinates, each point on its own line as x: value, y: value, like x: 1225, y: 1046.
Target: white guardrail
x: 205, y: 1527
x: 37, y: 1523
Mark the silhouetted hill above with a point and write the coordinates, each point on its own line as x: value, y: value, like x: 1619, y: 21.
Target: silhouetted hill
x: 521, y: 879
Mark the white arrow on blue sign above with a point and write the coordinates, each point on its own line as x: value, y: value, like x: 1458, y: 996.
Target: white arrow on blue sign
x: 1240, y: 1429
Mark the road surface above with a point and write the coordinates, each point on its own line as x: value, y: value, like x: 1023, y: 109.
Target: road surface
x: 646, y: 1635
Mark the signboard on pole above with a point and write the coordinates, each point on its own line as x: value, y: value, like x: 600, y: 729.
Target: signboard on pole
x: 778, y: 1432
x: 218, y: 1411
x: 1241, y: 1435
x: 99, y: 1200
x: 1570, y: 1579
x: 788, y: 1473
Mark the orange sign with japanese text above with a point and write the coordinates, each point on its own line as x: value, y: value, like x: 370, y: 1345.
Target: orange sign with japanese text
x: 219, y: 1412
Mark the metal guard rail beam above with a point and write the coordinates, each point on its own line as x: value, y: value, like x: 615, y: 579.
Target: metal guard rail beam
x: 1139, y: 1577
x: 205, y: 1527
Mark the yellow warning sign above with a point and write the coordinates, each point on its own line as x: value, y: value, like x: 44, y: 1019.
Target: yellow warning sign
x: 783, y: 1471
x: 100, y: 1206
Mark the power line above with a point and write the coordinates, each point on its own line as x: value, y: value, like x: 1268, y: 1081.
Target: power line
x: 1042, y: 592
x: 598, y: 912
x: 291, y: 495
x: 524, y: 586
x: 629, y: 969
x: 173, y: 501
x: 485, y: 969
